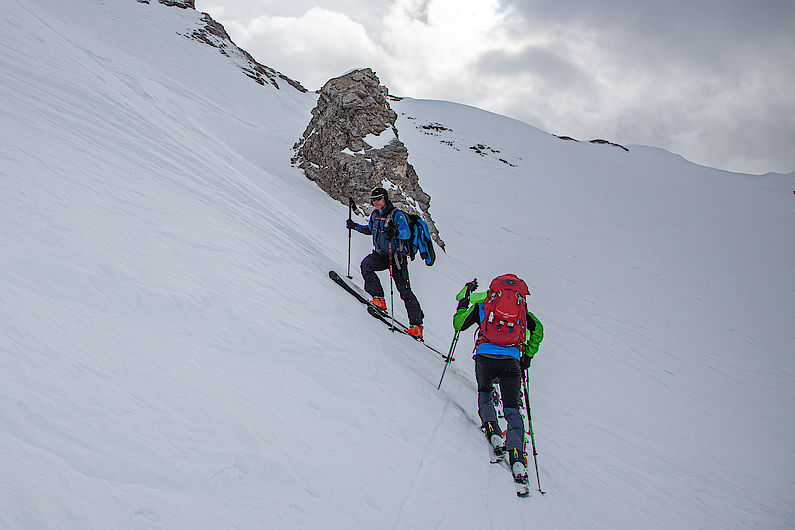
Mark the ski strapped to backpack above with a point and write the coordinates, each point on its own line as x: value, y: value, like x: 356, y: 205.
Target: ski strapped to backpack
x: 420, y: 240
x: 504, y: 313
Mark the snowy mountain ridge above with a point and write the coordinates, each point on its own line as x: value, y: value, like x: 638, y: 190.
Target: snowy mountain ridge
x: 174, y: 356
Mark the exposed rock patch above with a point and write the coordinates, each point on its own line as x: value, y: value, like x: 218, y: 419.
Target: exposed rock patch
x: 184, y: 4
x: 596, y: 141
x: 600, y: 141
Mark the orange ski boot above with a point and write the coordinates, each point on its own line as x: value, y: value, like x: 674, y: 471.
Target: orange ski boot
x: 415, y: 331
x: 379, y: 302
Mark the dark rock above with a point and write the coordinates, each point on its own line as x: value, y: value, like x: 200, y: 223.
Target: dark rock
x: 600, y: 141
x: 597, y: 141
x: 184, y: 4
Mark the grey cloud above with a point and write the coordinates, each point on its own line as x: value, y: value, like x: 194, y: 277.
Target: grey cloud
x: 704, y: 32
x: 647, y: 15
x: 708, y: 79
x: 547, y: 64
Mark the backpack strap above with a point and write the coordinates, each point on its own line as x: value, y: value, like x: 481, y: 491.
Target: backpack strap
x: 403, y: 244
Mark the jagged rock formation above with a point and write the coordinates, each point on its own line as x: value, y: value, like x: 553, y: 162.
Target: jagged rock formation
x: 605, y: 142
x: 185, y: 4
x: 214, y: 34
x: 351, y: 145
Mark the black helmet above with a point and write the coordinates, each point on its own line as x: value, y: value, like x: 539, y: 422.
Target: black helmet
x: 377, y: 193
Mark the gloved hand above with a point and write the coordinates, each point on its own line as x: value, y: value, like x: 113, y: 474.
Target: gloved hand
x: 524, y: 362
x: 470, y: 288
x: 350, y: 224
x: 391, y: 231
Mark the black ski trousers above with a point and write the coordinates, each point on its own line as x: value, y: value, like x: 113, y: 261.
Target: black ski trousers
x: 377, y: 261
x: 507, y: 370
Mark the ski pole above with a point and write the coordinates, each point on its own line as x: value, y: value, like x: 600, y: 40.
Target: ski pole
x: 449, y: 356
x: 525, y: 377
x: 391, y: 290
x: 471, y: 286
x: 351, y: 207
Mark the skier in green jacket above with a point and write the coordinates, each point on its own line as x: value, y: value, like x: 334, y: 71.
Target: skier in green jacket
x: 502, y: 353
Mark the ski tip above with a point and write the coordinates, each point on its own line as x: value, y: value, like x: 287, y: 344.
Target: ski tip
x: 522, y: 490
x: 334, y: 275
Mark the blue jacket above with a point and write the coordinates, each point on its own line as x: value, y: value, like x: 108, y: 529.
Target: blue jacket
x: 377, y: 226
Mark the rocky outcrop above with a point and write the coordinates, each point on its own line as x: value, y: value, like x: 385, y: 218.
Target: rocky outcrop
x: 605, y: 142
x: 184, y: 4
x: 351, y: 145
x: 214, y: 34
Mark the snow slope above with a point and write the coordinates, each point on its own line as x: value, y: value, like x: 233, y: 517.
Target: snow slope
x: 172, y: 354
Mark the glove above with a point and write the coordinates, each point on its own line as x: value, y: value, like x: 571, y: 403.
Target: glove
x: 350, y: 224
x: 391, y: 232
x: 470, y: 287
x: 524, y: 362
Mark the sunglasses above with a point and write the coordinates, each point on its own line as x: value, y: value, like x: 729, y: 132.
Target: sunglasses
x: 373, y: 200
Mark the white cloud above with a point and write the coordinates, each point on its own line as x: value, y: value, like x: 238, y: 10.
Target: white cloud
x: 433, y: 45
x: 312, y: 47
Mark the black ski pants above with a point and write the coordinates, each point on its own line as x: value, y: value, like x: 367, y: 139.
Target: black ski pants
x: 507, y: 370
x: 377, y: 261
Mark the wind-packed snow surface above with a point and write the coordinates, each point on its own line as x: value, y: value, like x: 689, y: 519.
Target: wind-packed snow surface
x: 173, y: 355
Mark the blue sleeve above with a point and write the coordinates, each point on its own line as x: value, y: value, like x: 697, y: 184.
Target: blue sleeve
x: 365, y: 229
x: 404, y: 232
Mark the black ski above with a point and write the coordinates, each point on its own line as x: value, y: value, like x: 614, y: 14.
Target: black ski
x: 364, y: 298
x: 375, y: 312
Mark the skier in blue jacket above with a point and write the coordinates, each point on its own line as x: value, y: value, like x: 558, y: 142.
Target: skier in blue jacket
x: 391, y: 234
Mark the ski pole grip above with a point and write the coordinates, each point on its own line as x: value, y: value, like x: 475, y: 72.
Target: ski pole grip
x: 464, y: 302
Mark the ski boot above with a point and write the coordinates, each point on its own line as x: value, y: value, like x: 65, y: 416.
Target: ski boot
x: 379, y: 302
x: 518, y: 461
x: 494, y: 436
x: 415, y: 331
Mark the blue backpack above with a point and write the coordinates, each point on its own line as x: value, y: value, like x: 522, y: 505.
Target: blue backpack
x: 420, y: 239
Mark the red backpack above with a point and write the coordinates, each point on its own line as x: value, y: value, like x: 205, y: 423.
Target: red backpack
x: 505, y: 313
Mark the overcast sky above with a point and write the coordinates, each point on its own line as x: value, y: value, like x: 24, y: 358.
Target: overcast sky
x: 712, y: 80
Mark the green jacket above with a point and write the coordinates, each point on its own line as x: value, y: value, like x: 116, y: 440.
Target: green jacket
x: 467, y: 316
